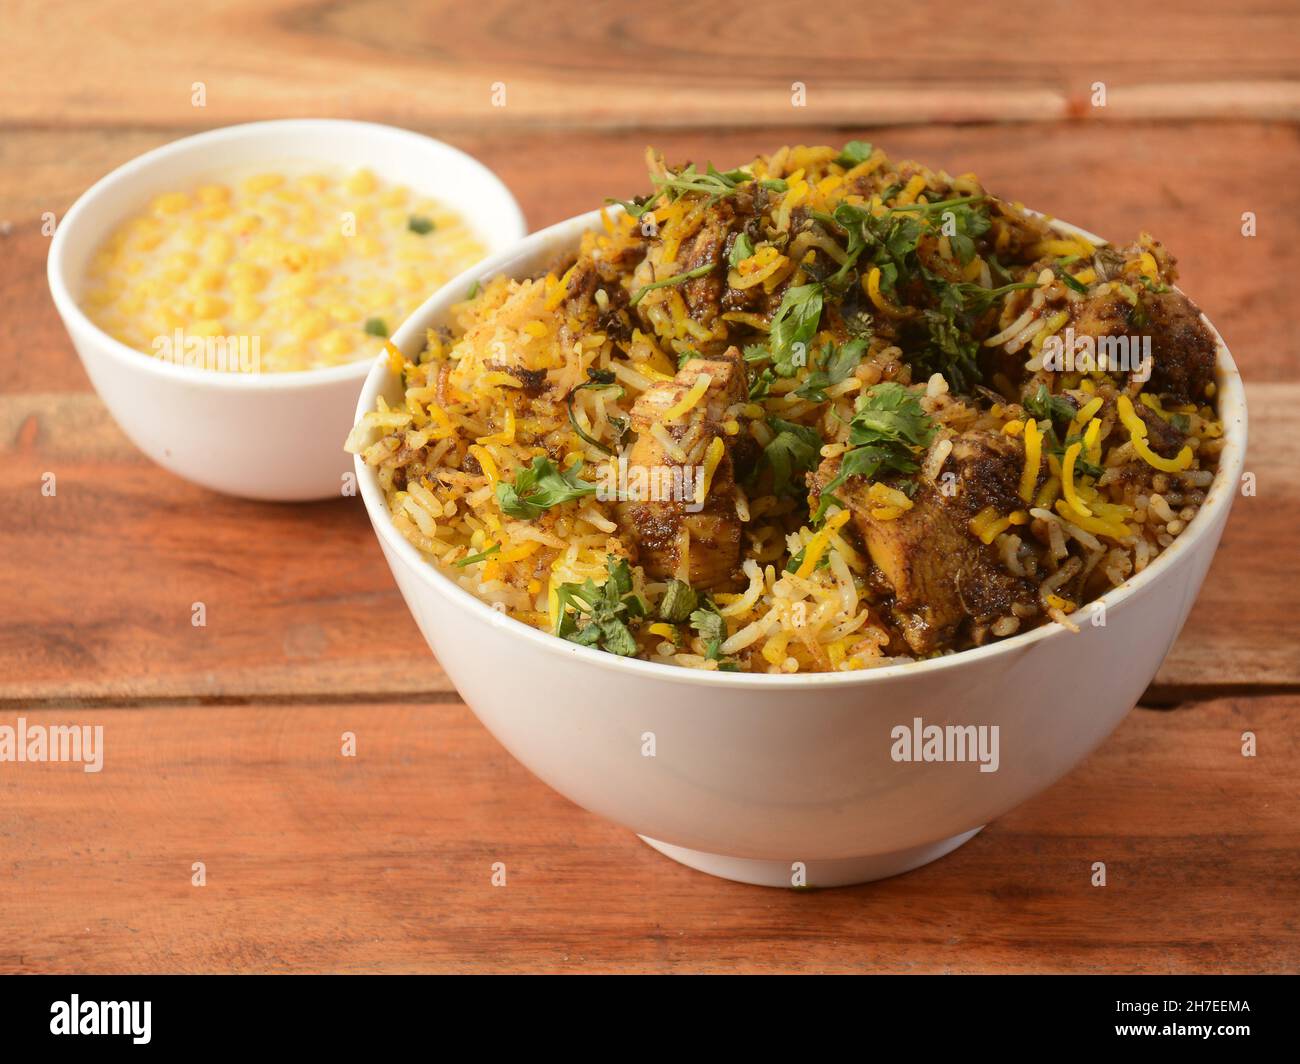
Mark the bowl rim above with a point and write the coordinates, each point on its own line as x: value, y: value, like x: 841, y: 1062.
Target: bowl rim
x: 74, y: 317
x: 1219, y: 496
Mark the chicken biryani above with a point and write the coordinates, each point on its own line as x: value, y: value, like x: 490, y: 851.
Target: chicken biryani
x: 821, y: 412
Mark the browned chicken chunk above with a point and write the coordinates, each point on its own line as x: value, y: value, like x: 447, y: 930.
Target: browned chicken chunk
x: 943, y: 578
x: 1182, y: 349
x: 667, y: 523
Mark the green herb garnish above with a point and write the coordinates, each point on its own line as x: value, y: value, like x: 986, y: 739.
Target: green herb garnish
x: 887, y: 434
x: 596, y: 378
x: 675, y: 184
x: 537, y: 488
x: 855, y: 152
x: 417, y: 223
x: 792, y: 566
x: 794, y: 449
x: 603, y: 609
x: 741, y: 249
x: 678, y: 603
x: 480, y: 556
x: 712, y: 628
x: 680, y: 278
x: 793, y: 325
x: 835, y: 365
x: 952, y: 351
x: 761, y: 385
x: 376, y: 327
x: 1069, y: 281
x: 1044, y: 406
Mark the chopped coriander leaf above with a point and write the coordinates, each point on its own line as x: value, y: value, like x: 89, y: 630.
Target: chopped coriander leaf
x: 712, y: 627
x: 836, y: 364
x: 732, y: 178
x: 969, y: 298
x: 377, y: 327
x: 675, y: 184
x: 417, y: 223
x: 604, y: 611
x: 888, y: 412
x: 939, y: 206
x: 741, y: 249
x: 961, y: 224
x: 678, y: 603
x: 793, y: 326
x: 887, y: 434
x: 792, y: 566
x: 473, y: 290
x: 855, y: 152
x: 794, y: 449
x: 539, y: 487
x: 1044, y: 406
x: 761, y: 385
x: 952, y: 352
x: 679, y: 278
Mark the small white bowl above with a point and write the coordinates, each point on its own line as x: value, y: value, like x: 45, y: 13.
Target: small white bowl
x: 763, y: 778
x: 276, y: 436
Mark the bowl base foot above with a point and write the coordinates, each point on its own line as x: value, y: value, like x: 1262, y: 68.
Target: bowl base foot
x: 834, y: 873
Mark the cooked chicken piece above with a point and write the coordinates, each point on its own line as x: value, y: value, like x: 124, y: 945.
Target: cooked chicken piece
x: 662, y: 525
x: 941, y: 575
x: 1162, y: 437
x: 704, y: 294
x: 1103, y: 315
x: 1182, y: 349
x: 710, y: 244
x: 982, y: 470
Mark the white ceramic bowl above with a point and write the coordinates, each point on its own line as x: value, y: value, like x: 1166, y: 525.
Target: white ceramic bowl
x: 272, y: 436
x: 753, y: 773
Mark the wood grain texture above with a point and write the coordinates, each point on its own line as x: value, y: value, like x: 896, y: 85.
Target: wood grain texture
x: 97, y: 583
x: 222, y: 742
x: 383, y: 862
x: 613, y: 65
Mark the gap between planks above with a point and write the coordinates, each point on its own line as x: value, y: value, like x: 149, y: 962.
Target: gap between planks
x: 1161, y: 698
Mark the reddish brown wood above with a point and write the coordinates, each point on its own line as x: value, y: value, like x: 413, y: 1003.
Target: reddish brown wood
x: 613, y: 66
x: 222, y: 742
x: 317, y: 862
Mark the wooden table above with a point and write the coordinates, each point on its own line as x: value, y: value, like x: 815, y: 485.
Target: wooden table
x: 222, y: 742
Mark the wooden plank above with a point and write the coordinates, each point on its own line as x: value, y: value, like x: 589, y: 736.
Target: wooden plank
x: 101, y: 579
x: 609, y: 66
x: 383, y: 862
x: 1187, y: 184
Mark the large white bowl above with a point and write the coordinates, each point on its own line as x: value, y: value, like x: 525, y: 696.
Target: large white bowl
x: 762, y: 778
x: 263, y: 436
